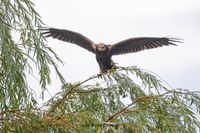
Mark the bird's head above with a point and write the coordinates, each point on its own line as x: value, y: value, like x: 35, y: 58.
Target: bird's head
x: 101, y: 47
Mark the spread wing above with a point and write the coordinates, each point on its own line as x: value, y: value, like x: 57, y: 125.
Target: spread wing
x: 141, y: 43
x: 71, y: 37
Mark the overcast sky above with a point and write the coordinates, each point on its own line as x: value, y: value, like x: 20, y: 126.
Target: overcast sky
x: 110, y: 21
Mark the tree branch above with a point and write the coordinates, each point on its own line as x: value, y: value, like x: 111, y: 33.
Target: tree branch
x: 70, y: 91
x: 124, y: 109
x: 137, y: 100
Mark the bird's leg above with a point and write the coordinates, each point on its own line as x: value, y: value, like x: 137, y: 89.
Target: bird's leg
x: 114, y: 67
x: 101, y: 73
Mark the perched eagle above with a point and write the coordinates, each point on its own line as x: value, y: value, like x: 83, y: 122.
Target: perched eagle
x: 105, y: 52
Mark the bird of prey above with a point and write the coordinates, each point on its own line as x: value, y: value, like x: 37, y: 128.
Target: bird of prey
x: 105, y: 52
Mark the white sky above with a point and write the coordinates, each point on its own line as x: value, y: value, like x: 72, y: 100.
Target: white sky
x: 110, y: 21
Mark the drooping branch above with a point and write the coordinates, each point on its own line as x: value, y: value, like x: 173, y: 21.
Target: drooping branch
x: 134, y: 102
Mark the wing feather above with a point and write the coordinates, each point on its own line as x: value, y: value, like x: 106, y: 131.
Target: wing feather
x: 71, y: 37
x: 141, y: 43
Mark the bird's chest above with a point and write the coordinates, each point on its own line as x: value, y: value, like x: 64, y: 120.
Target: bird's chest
x: 104, y: 60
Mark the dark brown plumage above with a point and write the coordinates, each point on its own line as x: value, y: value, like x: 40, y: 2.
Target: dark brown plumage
x: 105, y: 52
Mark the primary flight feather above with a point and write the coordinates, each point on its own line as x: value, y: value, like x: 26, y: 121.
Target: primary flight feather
x: 104, y: 52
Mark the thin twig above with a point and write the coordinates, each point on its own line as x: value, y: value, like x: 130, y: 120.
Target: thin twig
x: 159, y: 78
x: 73, y: 87
x: 124, y: 109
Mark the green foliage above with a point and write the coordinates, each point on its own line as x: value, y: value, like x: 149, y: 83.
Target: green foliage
x: 21, y: 47
x: 149, y: 106
x: 115, y: 103
x: 123, y: 100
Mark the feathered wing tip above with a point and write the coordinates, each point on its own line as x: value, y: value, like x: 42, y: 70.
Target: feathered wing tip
x: 46, y: 31
x: 173, y: 41
x: 141, y: 43
x: 43, y: 28
x: 70, y: 37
